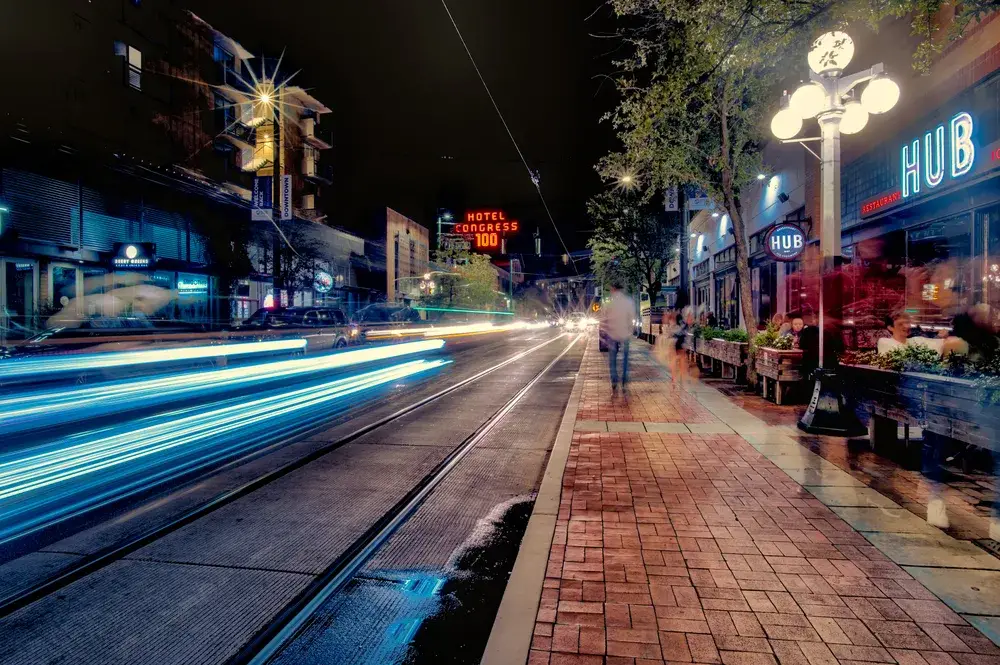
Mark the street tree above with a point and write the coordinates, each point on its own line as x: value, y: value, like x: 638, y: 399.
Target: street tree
x: 633, y: 240
x: 297, y: 253
x: 470, y: 281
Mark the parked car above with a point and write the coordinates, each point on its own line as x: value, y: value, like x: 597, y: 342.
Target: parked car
x: 324, y: 327
x: 108, y: 334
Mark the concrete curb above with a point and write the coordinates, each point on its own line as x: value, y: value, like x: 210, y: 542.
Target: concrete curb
x: 510, y: 639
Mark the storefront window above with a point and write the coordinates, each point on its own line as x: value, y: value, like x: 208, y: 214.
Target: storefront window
x: 63, y: 284
x: 94, y: 285
x: 192, y: 297
x: 765, y: 291
x: 727, y: 300
x: 19, y: 290
x: 987, y: 264
x: 938, y: 270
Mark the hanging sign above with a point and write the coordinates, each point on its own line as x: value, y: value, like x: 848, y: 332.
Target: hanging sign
x: 286, y: 197
x: 670, y: 203
x: 261, y: 199
x: 785, y: 242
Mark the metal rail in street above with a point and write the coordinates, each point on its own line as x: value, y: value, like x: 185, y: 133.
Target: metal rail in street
x: 295, y: 616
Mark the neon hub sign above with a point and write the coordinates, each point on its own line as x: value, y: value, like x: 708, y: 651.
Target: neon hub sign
x: 485, y: 228
x: 929, y: 161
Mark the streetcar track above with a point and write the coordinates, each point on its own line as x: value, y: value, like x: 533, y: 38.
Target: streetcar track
x: 102, y: 558
x: 296, y: 615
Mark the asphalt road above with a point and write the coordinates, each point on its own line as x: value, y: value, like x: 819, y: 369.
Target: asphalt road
x: 199, y: 593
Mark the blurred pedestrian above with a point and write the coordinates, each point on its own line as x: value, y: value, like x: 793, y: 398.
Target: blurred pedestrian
x: 679, y: 365
x: 618, y: 316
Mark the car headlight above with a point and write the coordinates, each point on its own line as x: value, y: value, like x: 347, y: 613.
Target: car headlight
x: 562, y: 322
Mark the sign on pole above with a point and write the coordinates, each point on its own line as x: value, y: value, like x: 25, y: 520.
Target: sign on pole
x: 286, y: 197
x: 261, y: 200
x: 698, y: 199
x: 670, y: 203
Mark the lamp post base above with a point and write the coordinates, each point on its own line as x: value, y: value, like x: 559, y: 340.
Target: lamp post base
x: 828, y: 414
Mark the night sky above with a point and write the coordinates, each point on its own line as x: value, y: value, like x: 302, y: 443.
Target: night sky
x: 413, y: 127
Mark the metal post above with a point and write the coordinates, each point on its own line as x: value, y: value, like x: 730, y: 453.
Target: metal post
x: 828, y: 413
x: 279, y: 285
x: 829, y: 239
x: 685, y: 286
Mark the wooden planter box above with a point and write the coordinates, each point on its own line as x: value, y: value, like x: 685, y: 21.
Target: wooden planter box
x: 949, y: 407
x: 731, y: 358
x: 779, y: 370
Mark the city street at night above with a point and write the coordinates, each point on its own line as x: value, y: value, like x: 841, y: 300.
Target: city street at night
x: 256, y: 522
x: 500, y: 332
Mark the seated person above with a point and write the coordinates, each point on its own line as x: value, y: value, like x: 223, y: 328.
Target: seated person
x: 898, y: 326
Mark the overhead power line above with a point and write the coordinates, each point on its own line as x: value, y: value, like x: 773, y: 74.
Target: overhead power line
x: 533, y: 175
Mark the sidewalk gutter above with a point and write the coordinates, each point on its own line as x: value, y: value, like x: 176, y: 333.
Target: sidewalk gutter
x: 510, y: 639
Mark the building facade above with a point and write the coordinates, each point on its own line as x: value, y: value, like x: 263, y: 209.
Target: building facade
x: 148, y: 137
x: 407, y: 255
x: 920, y: 199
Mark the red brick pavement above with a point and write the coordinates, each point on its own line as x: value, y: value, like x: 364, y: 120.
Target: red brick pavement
x: 686, y: 548
x: 645, y: 401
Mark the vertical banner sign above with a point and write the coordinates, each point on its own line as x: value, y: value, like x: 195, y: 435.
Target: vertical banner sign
x: 260, y: 202
x: 286, y: 197
x: 697, y: 199
x: 670, y: 199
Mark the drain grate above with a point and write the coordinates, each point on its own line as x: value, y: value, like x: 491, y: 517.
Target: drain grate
x: 990, y: 545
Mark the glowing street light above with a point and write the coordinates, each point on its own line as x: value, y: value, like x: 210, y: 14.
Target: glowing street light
x: 830, y: 97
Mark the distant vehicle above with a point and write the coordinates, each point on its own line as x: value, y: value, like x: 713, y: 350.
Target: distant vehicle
x: 578, y: 321
x: 384, y: 315
x: 324, y: 327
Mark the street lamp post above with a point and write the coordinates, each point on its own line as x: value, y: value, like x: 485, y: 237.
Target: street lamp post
x: 830, y: 98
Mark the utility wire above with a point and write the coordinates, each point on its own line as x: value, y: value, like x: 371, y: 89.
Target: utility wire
x: 531, y: 174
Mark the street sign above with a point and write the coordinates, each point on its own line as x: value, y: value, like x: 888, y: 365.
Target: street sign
x: 261, y: 199
x: 785, y: 242
x: 697, y: 199
x: 286, y: 197
x: 670, y: 203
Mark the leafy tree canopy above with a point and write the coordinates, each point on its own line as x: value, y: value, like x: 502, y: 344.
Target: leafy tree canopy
x: 633, y: 240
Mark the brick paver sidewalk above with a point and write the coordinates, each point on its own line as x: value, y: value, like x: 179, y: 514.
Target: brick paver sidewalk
x: 696, y: 548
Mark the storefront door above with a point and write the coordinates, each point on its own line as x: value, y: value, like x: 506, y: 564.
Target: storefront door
x: 19, y: 298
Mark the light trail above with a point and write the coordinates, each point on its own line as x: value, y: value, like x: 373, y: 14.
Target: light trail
x: 454, y: 330
x: 56, y: 481
x: 50, y: 408
x: 92, y: 361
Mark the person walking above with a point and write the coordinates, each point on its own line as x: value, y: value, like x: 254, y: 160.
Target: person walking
x: 619, y: 315
x: 679, y: 369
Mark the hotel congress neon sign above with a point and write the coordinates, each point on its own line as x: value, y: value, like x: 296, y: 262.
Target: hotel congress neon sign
x: 923, y: 161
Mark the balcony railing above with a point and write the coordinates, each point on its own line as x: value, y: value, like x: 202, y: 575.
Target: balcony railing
x: 317, y: 173
x: 319, y: 136
x: 241, y: 132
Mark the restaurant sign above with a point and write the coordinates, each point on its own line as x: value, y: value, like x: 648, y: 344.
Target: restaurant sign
x: 785, y: 242
x: 133, y: 255
x: 943, y: 154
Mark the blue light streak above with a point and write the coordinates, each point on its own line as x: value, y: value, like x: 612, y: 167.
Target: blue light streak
x: 50, y: 483
x: 49, y: 408
x: 91, y: 361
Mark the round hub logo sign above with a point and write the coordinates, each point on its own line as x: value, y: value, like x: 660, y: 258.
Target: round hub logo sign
x: 785, y: 242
